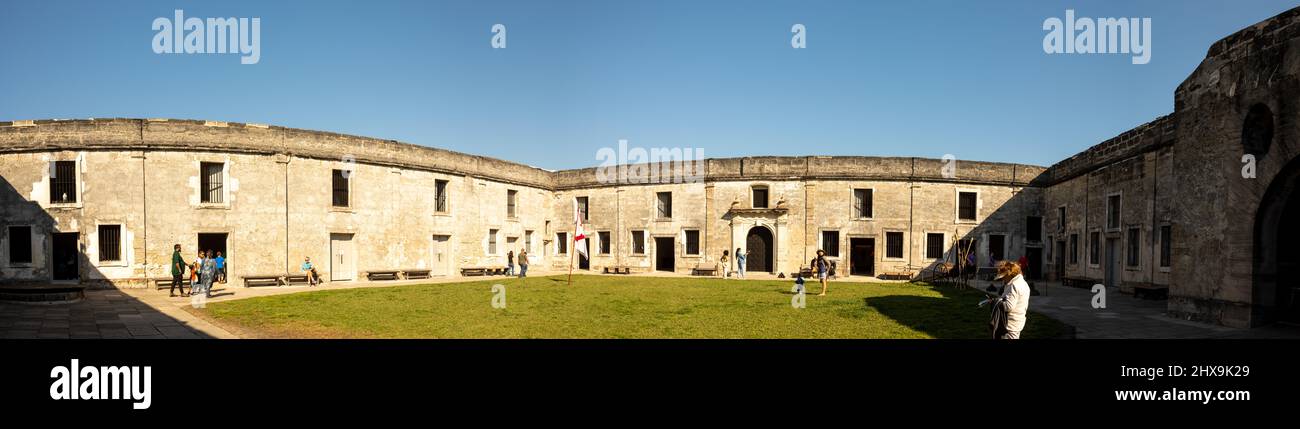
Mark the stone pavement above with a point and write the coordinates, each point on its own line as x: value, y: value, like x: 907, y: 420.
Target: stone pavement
x: 106, y: 314
x: 1129, y: 317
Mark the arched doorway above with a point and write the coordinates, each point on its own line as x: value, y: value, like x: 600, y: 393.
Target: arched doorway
x: 1276, y: 292
x: 759, y: 244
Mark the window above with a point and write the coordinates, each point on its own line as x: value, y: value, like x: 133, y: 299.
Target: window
x: 1094, y: 248
x: 528, y: 241
x: 997, y: 247
x: 862, y: 203
x: 440, y: 196
x: 692, y: 242
x: 934, y: 245
x: 665, y: 205
x: 561, y: 243
x: 1112, y: 212
x: 340, y: 179
x: 1034, y: 228
x: 638, y: 242
x: 582, y: 209
x: 1134, y: 246
x: 760, y: 197
x: 1166, y: 235
x: 63, y: 182
x: 966, y: 205
x: 492, y: 242
x: 511, y: 196
x: 110, y: 243
x: 831, y: 242
x: 1074, y: 248
x: 210, y: 189
x: 1060, y: 218
x: 893, y: 244
x: 604, y: 242
x: 20, y: 244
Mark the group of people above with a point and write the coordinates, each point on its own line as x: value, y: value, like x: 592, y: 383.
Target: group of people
x: 207, y: 268
x: 523, y: 263
x: 725, y: 262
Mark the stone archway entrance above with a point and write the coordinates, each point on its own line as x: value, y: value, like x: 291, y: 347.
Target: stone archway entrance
x: 1276, y: 291
x: 759, y: 244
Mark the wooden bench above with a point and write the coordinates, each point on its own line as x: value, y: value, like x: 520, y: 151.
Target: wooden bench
x: 262, y: 280
x: 473, y: 271
x: 704, y: 270
x: 382, y: 275
x: 167, y: 283
x: 618, y: 270
x: 1080, y: 282
x: 896, y: 275
x: 1149, y: 291
x: 415, y: 274
x: 296, y: 279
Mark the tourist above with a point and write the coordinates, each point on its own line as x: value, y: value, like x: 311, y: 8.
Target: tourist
x: 740, y: 263
x: 221, y: 268
x: 208, y: 273
x: 310, y: 270
x: 725, y: 263
x: 822, y: 268
x: 1011, y: 307
x: 523, y: 263
x: 178, y: 270
x: 194, y: 271
x: 510, y: 263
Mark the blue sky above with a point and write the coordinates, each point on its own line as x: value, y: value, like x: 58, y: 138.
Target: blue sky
x: 906, y: 78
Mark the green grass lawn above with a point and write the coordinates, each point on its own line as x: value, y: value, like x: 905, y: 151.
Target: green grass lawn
x: 618, y: 307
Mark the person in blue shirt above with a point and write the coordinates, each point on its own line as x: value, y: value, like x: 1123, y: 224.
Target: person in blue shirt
x: 221, y: 268
x: 312, y: 277
x: 740, y: 262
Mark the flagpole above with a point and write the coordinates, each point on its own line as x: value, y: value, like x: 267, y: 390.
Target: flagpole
x: 573, y: 248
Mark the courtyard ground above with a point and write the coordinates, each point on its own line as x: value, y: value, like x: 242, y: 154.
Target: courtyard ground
x: 617, y: 307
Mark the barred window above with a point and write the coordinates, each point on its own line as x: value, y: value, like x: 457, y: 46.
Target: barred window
x: 1112, y: 212
x: 1074, y: 248
x: 760, y: 197
x: 665, y: 205
x: 210, y: 189
x: 604, y: 242
x: 862, y: 204
x: 831, y: 243
x: 638, y: 242
x: 582, y: 209
x: 1094, y: 248
x: 511, y: 197
x: 562, y: 243
x: 893, y: 244
x: 692, y: 242
x: 63, y: 182
x: 440, y: 196
x: 340, y: 179
x: 934, y: 245
x: 1166, y: 236
x: 110, y: 243
x: 966, y: 205
x: 20, y: 244
x: 1134, y: 246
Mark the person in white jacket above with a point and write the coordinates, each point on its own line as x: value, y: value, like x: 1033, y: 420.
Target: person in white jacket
x: 1013, y: 302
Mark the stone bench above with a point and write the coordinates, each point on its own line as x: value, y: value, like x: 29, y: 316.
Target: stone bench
x: 617, y: 270
x: 896, y: 275
x: 701, y: 270
x: 1079, y: 282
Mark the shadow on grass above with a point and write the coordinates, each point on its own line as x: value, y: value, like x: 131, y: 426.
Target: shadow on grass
x: 955, y: 314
